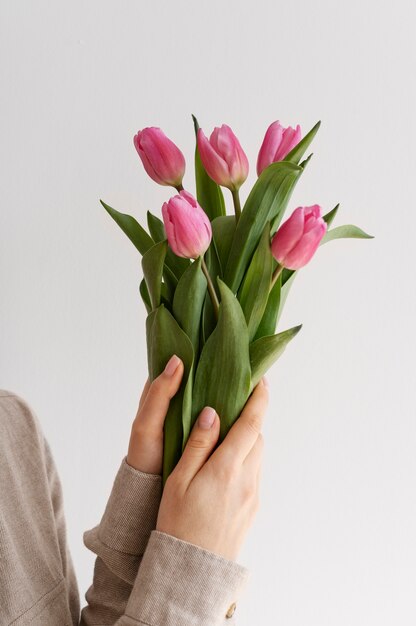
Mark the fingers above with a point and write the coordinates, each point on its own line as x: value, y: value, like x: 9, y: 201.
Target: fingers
x: 144, y: 393
x: 252, y: 462
x: 153, y: 408
x: 244, y: 433
x: 252, y: 467
x: 201, y: 443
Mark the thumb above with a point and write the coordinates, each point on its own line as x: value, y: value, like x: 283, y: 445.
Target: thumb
x: 201, y: 443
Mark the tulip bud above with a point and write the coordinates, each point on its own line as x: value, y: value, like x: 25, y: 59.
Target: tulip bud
x: 277, y: 143
x: 162, y: 159
x: 187, y: 226
x: 223, y: 157
x: 298, y: 238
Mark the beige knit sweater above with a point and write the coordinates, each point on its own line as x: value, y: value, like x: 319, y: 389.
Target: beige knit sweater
x: 141, y: 576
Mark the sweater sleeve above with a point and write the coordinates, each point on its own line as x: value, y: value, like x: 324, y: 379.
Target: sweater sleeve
x: 180, y: 584
x: 143, y: 577
x: 119, y: 542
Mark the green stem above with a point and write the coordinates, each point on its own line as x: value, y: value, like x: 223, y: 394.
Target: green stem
x: 237, y: 204
x: 279, y: 269
x: 211, y: 288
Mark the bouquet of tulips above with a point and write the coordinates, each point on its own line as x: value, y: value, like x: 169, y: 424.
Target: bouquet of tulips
x: 215, y: 283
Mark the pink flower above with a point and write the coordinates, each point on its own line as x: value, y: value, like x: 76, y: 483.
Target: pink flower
x: 277, y: 143
x: 223, y: 157
x: 162, y: 159
x: 298, y: 238
x: 187, y: 226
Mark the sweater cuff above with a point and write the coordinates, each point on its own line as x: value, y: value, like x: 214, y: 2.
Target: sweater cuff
x: 181, y: 584
x: 129, y: 517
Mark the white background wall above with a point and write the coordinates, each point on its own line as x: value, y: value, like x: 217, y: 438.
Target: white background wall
x: 334, y: 542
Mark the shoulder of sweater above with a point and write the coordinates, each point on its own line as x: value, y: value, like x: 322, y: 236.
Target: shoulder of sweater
x: 17, y: 413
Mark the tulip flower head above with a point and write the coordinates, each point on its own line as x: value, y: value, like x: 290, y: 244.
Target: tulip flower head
x: 187, y: 226
x: 223, y: 157
x: 162, y: 159
x: 297, y: 240
x: 277, y: 143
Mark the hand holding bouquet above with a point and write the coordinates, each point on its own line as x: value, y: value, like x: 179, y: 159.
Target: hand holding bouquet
x: 215, y: 283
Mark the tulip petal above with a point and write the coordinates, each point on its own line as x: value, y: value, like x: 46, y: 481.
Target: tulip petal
x: 188, y: 197
x: 187, y: 226
x: 239, y: 168
x: 299, y: 150
x: 169, y: 227
x: 161, y: 158
x: 214, y: 164
x: 303, y: 252
x: 290, y: 139
x: 312, y: 215
x: 269, y: 147
x: 229, y: 147
x: 225, y: 142
x: 146, y: 161
x: 288, y: 235
x: 208, y: 192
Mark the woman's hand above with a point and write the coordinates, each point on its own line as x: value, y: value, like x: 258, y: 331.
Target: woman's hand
x: 210, y: 499
x: 146, y: 441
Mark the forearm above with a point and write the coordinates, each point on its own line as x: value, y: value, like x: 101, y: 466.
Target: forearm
x: 161, y: 581
x: 119, y: 542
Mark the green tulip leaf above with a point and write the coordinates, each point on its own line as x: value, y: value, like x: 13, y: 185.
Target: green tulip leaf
x: 345, y: 232
x: 209, y: 318
x: 208, y: 193
x: 277, y: 220
x: 303, y: 164
x: 152, y: 263
x: 175, y: 263
x: 299, y: 150
x: 223, y: 229
x: 255, y: 288
x: 329, y: 217
x: 268, y: 322
x: 144, y: 292
x: 188, y: 302
x: 267, y: 200
x: 131, y: 227
x: 156, y: 227
x: 222, y: 378
x: 275, y: 304
x: 266, y: 350
x: 166, y: 296
x: 165, y: 338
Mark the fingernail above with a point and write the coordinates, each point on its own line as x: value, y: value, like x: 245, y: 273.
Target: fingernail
x: 172, y: 365
x: 206, y: 418
x: 265, y: 382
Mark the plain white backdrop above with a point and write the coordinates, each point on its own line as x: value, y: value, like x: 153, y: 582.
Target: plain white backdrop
x: 334, y: 542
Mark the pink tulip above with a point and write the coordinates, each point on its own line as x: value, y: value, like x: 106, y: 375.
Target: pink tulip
x: 277, y: 143
x: 187, y: 226
x: 162, y: 159
x: 223, y: 157
x: 298, y: 238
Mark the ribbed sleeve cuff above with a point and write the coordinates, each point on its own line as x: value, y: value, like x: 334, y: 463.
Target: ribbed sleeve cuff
x: 129, y: 517
x: 180, y: 584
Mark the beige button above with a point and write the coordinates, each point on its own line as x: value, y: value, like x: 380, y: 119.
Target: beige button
x: 231, y: 610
